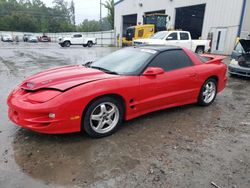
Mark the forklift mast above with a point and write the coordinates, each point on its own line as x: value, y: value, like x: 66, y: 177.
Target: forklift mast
x: 159, y: 20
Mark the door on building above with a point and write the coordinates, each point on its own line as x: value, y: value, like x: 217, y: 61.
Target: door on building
x: 128, y: 21
x: 219, y: 39
x: 190, y: 19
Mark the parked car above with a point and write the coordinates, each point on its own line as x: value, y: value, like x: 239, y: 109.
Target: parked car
x: 98, y: 96
x: 77, y: 39
x: 178, y: 38
x: 7, y: 38
x: 240, y: 59
x: 44, y: 38
x: 33, y: 39
x: 26, y: 37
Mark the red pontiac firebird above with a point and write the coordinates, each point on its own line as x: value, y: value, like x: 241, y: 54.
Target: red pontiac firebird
x: 98, y: 96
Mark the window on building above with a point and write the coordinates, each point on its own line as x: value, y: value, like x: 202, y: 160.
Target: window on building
x: 171, y: 60
x: 172, y: 36
x: 184, y: 36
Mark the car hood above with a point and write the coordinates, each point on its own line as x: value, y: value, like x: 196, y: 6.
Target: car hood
x: 149, y: 41
x: 245, y: 44
x: 64, y: 78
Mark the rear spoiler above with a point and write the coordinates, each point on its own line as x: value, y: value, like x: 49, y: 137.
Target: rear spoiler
x: 213, y: 58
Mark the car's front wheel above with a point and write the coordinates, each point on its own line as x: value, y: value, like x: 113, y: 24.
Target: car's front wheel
x: 66, y: 44
x: 208, y: 92
x: 103, y: 117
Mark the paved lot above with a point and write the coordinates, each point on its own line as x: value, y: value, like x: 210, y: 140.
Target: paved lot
x: 187, y: 146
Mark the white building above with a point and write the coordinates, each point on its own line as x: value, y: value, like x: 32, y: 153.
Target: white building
x: 224, y: 20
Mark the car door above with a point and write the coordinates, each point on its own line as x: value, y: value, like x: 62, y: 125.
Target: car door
x: 76, y: 39
x: 177, y: 85
x: 172, y: 39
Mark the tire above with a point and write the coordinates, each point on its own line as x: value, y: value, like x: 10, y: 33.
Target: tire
x: 66, y: 44
x: 102, y: 117
x: 208, y: 92
x: 62, y: 45
x: 199, y: 50
x: 85, y: 45
x: 90, y: 44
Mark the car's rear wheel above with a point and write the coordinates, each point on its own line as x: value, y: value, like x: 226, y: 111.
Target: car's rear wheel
x: 208, y: 92
x: 103, y: 117
x: 85, y: 45
x: 66, y: 44
x: 199, y: 50
x: 90, y: 44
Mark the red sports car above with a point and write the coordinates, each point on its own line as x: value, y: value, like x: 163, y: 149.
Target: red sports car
x: 98, y: 96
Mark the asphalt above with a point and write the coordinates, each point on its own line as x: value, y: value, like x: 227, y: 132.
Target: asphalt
x: 188, y: 146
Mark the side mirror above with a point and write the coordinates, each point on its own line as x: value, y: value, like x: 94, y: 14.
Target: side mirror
x: 153, y: 71
x: 169, y: 38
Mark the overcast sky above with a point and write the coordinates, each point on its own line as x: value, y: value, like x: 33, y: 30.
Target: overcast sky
x: 85, y: 9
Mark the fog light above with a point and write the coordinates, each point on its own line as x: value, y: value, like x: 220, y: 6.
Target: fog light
x: 52, y: 115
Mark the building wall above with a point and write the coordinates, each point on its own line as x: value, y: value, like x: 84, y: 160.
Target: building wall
x: 245, y: 31
x: 218, y: 14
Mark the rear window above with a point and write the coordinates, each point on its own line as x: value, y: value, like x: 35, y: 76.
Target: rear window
x: 184, y: 36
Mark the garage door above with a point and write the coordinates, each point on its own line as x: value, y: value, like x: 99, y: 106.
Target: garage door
x: 190, y: 19
x: 128, y: 20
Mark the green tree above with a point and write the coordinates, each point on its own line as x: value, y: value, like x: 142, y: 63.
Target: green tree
x: 110, y: 6
x: 72, y: 13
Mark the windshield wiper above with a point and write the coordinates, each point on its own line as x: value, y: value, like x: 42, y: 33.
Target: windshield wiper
x: 104, y: 70
x: 87, y: 64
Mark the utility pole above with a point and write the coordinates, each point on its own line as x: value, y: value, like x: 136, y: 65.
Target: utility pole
x: 101, y: 20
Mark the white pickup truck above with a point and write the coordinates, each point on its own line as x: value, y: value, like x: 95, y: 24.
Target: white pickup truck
x: 77, y: 39
x: 176, y: 38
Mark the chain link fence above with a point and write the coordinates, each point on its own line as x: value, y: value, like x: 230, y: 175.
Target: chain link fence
x: 104, y: 38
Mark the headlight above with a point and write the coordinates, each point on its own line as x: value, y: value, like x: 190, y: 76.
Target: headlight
x: 234, y: 62
x: 43, y: 95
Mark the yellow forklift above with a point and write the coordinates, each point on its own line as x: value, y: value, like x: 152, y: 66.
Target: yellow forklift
x: 152, y: 23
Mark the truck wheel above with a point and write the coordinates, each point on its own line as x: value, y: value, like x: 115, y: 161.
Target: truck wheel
x: 85, y: 45
x: 62, y: 45
x: 90, y: 44
x: 199, y: 50
x: 66, y: 44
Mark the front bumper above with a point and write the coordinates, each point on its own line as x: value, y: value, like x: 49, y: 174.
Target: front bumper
x: 36, y: 116
x: 238, y: 70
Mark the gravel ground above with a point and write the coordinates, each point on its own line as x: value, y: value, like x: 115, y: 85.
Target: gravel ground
x: 188, y: 146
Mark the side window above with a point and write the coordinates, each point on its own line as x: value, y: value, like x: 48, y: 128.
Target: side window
x: 77, y: 36
x: 184, y: 36
x: 140, y: 33
x: 171, y: 60
x: 172, y: 36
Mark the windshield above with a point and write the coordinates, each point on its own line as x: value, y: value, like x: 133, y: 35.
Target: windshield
x: 127, y: 61
x: 159, y: 35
